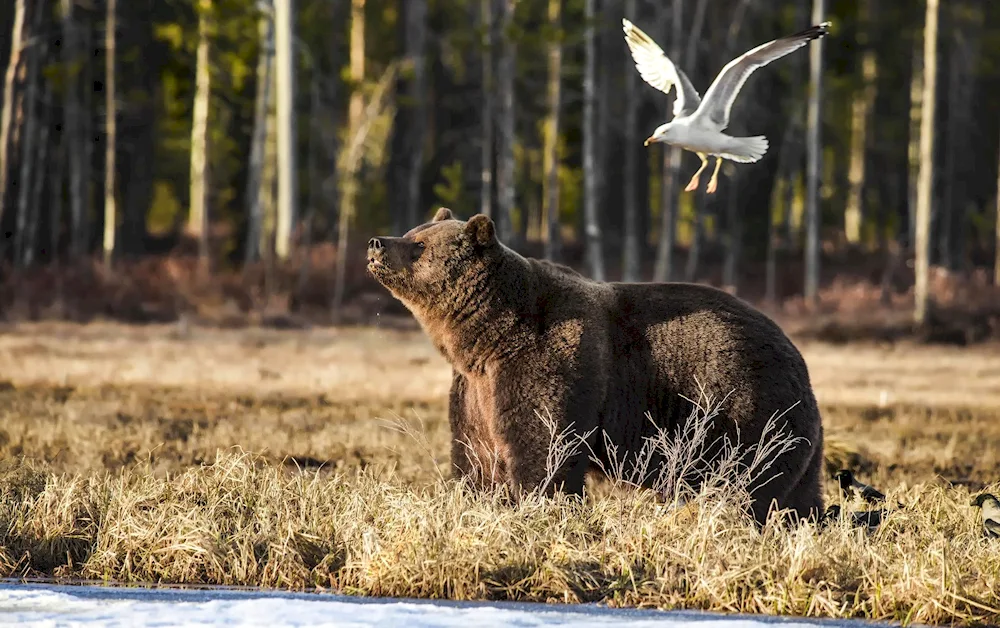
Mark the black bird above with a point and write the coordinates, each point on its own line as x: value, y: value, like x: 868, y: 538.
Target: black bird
x: 848, y: 482
x: 870, y: 519
x: 990, y: 512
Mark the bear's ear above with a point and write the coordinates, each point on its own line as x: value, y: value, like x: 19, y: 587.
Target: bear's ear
x: 443, y: 214
x: 480, y: 230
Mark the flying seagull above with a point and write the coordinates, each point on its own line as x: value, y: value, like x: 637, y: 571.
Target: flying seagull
x: 698, y: 124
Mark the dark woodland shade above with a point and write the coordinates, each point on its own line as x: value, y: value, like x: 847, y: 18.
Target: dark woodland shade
x: 434, y: 146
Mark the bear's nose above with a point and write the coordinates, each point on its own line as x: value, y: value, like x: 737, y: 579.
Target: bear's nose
x: 375, y: 245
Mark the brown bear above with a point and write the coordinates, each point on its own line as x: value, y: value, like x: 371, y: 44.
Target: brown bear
x: 525, y: 336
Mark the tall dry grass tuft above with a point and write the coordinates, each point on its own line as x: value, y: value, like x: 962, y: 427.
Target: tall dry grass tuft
x: 241, y: 520
x: 701, y: 462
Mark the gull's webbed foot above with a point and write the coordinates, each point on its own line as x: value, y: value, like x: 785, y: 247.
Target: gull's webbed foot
x: 713, y: 183
x: 693, y: 184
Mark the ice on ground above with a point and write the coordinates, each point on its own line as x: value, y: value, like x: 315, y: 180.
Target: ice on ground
x: 52, y: 606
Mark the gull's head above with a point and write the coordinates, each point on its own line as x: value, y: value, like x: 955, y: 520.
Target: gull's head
x: 663, y: 133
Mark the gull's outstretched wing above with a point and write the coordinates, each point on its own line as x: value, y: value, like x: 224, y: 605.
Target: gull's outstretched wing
x: 659, y: 71
x: 720, y: 96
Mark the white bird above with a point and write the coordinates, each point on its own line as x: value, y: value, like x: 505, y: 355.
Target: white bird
x: 698, y: 124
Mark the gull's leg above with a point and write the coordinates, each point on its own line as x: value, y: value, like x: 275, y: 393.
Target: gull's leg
x: 713, y: 183
x: 693, y: 184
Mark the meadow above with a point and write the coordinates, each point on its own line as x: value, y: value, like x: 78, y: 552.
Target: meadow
x: 318, y: 459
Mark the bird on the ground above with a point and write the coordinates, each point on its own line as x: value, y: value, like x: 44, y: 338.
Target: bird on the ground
x: 869, y: 519
x: 989, y: 508
x: 848, y: 483
x: 698, y: 124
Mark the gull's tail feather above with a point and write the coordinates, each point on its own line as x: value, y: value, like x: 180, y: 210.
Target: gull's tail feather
x: 746, y: 150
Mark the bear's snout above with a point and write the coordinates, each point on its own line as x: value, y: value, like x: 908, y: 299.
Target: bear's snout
x: 376, y: 250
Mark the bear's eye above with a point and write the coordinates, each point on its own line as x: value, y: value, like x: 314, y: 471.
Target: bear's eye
x: 418, y: 250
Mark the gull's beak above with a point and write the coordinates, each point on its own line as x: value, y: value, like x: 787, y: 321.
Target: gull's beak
x: 649, y: 140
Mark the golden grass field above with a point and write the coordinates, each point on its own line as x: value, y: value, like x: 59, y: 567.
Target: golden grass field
x: 266, y: 458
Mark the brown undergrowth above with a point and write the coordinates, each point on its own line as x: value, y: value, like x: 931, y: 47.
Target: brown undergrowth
x: 231, y: 475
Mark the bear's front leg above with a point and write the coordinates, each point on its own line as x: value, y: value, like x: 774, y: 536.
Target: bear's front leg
x: 475, y: 454
x: 532, y: 414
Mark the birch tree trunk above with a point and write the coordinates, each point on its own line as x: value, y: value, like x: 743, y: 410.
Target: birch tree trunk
x: 550, y: 222
x: 861, y: 110
x: 592, y: 226
x: 269, y: 186
x: 198, y: 216
x: 110, y: 131
x: 913, y: 153
x: 814, y: 157
x: 285, y: 74
x: 6, y: 114
x: 505, y: 85
x: 663, y: 269
x: 259, y: 139
x: 925, y: 182
x: 487, y: 121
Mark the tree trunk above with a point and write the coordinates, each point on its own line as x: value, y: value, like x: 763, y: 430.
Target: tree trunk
x: 198, y: 217
x: 953, y: 218
x: 75, y: 142
x: 416, y: 42
x: 861, y: 110
x: 694, y: 250
x: 35, y: 52
x: 349, y: 182
x: 913, y: 153
x: 505, y: 87
x: 592, y: 224
x: 925, y: 182
x: 312, y: 171
x: 996, y: 228
x: 285, y: 73
x: 110, y: 132
x: 630, y: 244
x: 487, y: 122
x: 40, y: 179
x: 663, y: 267
x: 814, y: 156
x: 8, y: 99
x: 269, y: 188
x: 777, y: 231
x: 258, y: 140
x: 699, y: 205
x: 734, y: 225
x: 56, y: 195
x: 550, y: 220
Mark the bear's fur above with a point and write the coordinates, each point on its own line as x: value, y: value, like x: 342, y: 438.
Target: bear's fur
x: 526, y: 336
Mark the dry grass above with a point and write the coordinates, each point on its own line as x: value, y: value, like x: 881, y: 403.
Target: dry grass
x: 126, y: 459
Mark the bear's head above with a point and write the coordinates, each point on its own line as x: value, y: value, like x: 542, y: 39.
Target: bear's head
x: 436, y: 262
